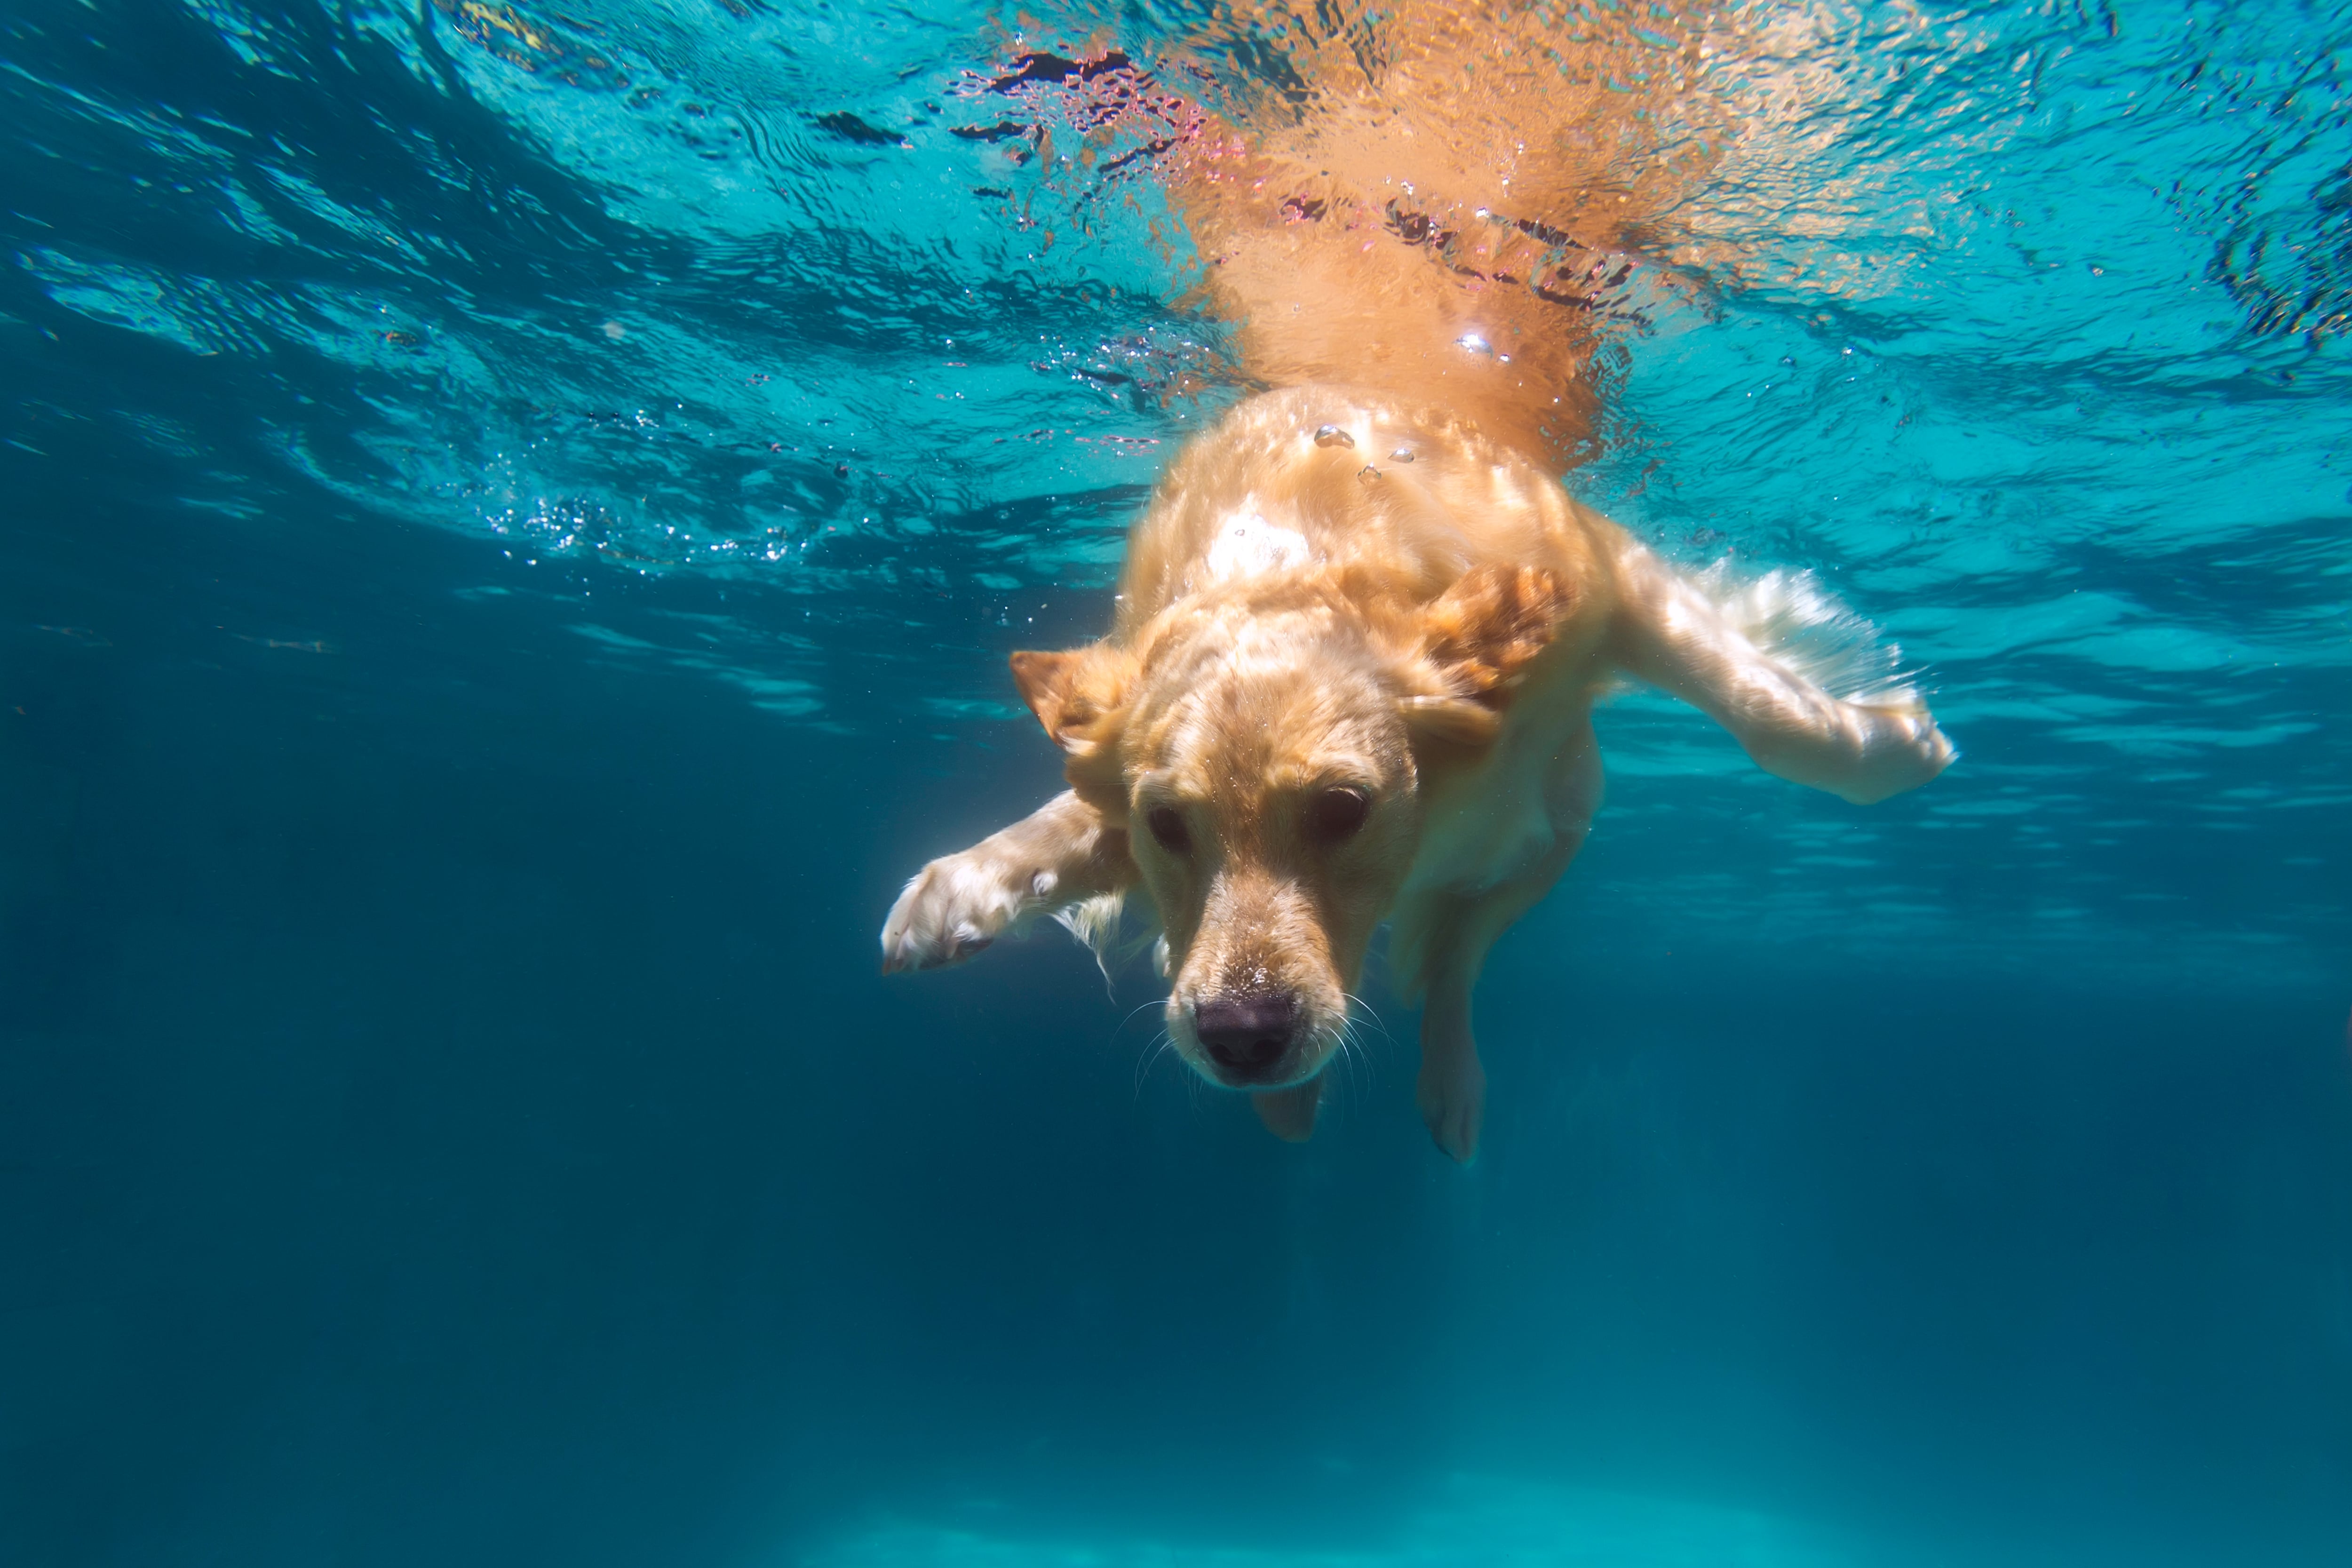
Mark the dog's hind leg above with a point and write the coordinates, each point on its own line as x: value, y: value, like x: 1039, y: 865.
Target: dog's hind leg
x: 1670, y: 633
x: 1058, y: 855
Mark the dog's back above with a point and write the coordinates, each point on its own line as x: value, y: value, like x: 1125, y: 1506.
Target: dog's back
x: 1439, y: 207
x: 1406, y: 496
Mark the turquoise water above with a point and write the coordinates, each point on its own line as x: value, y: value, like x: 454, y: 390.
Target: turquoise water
x: 512, y: 523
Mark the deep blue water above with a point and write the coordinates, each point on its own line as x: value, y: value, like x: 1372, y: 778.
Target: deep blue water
x: 509, y: 525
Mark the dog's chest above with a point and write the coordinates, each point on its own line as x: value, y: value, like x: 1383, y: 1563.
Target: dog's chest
x: 1488, y: 829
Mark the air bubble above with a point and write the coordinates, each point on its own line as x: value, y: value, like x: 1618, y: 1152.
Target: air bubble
x: 1402, y: 455
x: 1332, y: 435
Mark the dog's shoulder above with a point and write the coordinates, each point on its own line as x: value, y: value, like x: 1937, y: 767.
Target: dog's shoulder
x: 1370, y: 488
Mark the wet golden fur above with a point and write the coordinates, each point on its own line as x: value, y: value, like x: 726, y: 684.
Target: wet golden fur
x: 1364, y: 598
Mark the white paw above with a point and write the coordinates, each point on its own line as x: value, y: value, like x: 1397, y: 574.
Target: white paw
x: 1451, y: 1094
x: 1936, y: 752
x: 1903, y: 749
x: 955, y: 905
x: 1927, y: 748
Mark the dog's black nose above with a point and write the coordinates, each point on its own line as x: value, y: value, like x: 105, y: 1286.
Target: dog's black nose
x: 1246, y: 1034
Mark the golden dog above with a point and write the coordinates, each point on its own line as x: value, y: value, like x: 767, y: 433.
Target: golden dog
x: 1361, y: 627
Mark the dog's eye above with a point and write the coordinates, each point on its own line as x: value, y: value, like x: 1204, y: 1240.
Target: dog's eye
x: 1336, y: 814
x: 1168, y: 827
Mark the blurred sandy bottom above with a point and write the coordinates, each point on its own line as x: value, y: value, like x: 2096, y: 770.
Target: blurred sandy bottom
x: 1477, y: 1522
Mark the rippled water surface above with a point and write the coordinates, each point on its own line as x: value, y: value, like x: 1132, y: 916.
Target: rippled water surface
x: 512, y: 520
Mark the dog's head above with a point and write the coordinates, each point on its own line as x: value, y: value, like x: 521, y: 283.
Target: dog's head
x: 1266, y: 747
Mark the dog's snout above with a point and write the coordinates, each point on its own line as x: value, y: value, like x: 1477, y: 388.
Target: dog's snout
x: 1248, y: 1035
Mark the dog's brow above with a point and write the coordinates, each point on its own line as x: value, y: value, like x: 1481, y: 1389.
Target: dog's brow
x: 1328, y: 770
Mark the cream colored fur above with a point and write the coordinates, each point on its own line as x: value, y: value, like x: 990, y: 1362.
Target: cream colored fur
x: 1334, y: 590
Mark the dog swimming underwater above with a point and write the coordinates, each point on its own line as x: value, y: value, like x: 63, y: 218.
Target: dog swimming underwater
x: 1361, y: 626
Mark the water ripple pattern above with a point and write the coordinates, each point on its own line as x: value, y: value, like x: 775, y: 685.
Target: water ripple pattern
x: 2021, y: 326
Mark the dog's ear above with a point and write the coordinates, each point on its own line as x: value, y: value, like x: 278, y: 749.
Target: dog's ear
x: 1078, y: 696
x: 1477, y: 639
x: 1072, y: 693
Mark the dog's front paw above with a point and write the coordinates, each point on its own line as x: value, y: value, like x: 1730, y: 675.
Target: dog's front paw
x: 1451, y: 1094
x: 955, y: 905
x: 1902, y: 749
x: 1932, y: 747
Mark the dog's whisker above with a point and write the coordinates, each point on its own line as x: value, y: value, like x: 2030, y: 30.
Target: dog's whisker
x: 1151, y: 1057
x: 1360, y: 1010
x: 1357, y: 1062
x: 1123, y: 1023
x: 1367, y: 1035
x: 1352, y: 1045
